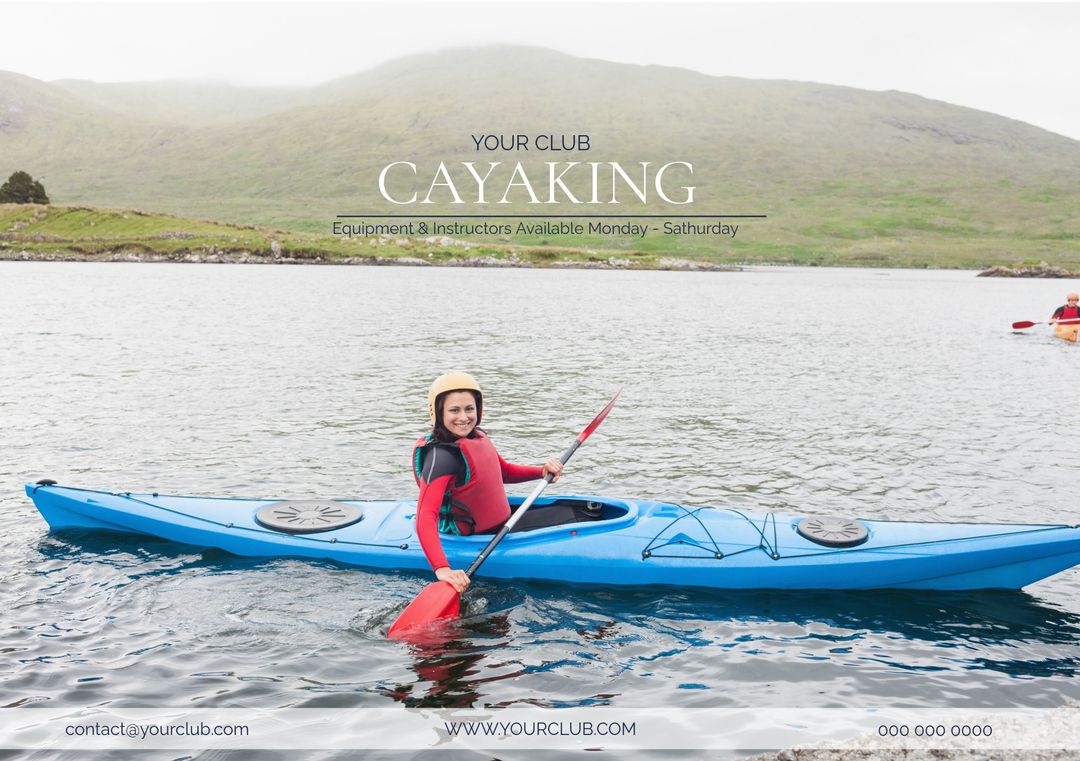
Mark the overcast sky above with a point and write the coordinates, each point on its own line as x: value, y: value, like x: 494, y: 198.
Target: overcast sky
x: 1020, y: 60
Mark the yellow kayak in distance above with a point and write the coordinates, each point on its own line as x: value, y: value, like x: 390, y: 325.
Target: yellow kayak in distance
x: 1067, y: 332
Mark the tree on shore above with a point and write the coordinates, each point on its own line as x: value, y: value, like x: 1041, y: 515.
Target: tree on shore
x: 22, y: 188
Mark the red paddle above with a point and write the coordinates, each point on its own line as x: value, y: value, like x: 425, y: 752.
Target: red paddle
x: 1028, y: 324
x: 440, y: 599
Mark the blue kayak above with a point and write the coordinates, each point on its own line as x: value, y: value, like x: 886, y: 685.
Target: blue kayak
x: 613, y: 541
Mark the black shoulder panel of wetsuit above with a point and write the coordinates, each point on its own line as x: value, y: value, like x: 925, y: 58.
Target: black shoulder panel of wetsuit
x: 442, y: 460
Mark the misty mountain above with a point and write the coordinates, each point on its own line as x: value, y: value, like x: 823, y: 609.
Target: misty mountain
x: 825, y: 162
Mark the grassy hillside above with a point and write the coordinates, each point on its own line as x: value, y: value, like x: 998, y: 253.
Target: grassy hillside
x: 82, y: 233
x: 846, y: 176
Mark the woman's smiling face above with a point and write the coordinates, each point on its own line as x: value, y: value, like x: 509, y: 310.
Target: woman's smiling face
x: 459, y: 412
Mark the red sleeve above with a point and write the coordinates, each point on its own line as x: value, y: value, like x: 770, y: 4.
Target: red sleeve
x: 427, y: 519
x: 515, y: 474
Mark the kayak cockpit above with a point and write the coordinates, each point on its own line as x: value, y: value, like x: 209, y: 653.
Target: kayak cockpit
x: 576, y: 509
x: 581, y: 515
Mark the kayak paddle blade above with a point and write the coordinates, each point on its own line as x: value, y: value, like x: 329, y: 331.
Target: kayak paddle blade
x: 1023, y: 324
x: 598, y: 419
x: 438, y: 600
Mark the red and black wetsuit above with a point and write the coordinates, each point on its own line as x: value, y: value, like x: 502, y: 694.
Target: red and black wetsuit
x: 461, y: 490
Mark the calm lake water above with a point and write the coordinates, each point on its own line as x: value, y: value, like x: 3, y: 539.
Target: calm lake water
x: 859, y: 393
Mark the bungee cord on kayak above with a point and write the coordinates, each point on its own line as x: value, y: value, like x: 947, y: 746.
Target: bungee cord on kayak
x: 712, y: 551
x: 650, y: 548
x: 228, y: 525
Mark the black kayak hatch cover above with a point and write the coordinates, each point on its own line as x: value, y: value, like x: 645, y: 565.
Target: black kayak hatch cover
x: 832, y: 532
x: 307, y: 516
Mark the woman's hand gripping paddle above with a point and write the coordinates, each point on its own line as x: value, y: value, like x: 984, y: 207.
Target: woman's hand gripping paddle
x: 441, y: 600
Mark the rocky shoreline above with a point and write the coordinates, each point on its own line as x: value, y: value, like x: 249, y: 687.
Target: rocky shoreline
x: 247, y: 257
x: 1038, y: 270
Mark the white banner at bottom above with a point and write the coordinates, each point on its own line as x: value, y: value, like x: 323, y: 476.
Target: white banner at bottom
x: 528, y: 728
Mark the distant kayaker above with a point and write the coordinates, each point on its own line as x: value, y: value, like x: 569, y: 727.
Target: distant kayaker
x: 1071, y: 310
x: 461, y: 476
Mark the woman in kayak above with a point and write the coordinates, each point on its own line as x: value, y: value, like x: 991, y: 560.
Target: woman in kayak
x: 461, y: 476
x: 1068, y: 313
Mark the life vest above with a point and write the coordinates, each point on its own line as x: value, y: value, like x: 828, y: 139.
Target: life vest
x: 1070, y: 313
x: 479, y: 503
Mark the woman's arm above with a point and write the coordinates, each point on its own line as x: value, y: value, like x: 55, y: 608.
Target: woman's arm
x: 515, y: 474
x: 427, y: 529
x: 427, y: 520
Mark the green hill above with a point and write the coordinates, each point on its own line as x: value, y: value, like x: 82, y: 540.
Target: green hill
x: 76, y: 233
x: 845, y: 175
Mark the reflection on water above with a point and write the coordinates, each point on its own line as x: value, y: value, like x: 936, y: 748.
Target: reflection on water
x: 449, y: 666
x: 851, y: 393
x: 896, y: 630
